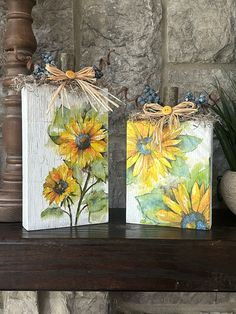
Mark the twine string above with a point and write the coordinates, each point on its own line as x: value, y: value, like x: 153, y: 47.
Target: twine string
x: 86, y: 81
x: 166, y: 116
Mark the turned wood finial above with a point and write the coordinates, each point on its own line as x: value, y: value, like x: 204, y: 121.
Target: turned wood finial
x: 19, y: 44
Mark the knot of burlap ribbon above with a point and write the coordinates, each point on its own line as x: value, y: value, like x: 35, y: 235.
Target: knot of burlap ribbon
x: 166, y: 116
x: 86, y: 80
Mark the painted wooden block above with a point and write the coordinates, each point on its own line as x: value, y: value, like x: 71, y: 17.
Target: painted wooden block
x: 169, y: 182
x: 65, y: 167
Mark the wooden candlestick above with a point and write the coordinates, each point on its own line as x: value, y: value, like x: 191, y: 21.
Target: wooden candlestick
x: 19, y: 44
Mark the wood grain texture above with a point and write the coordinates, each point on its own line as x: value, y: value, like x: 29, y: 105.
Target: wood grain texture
x: 19, y: 45
x: 117, y: 256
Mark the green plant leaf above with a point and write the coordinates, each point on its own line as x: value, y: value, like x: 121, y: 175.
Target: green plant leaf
x: 149, y: 204
x: 55, y: 138
x: 52, y: 212
x: 200, y: 174
x: 96, y: 201
x: 99, y: 169
x: 225, y: 129
x: 62, y: 117
x: 179, y: 168
x: 78, y: 174
x: 188, y: 143
x: 129, y: 176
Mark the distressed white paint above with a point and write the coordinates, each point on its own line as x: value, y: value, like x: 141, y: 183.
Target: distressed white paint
x: 39, y: 158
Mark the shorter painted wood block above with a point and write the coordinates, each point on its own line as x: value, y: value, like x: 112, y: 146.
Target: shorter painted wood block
x: 65, y: 168
x: 169, y: 182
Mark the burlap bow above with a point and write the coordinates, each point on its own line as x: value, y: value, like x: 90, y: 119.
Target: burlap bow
x: 166, y: 116
x: 86, y: 80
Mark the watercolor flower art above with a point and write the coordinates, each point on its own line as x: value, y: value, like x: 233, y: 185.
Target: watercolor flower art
x: 79, y: 137
x: 187, y: 210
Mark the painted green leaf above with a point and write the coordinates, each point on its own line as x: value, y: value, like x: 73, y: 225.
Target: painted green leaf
x: 149, y: 203
x: 78, y: 174
x: 55, y: 138
x: 204, y: 177
x: 96, y: 201
x: 200, y: 174
x: 188, y: 143
x: 62, y: 117
x: 179, y: 168
x: 129, y: 177
x: 99, y: 169
x: 51, y: 212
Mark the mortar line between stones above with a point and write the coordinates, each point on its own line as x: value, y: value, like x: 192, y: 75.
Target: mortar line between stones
x: 76, y: 15
x: 164, y: 48
x: 201, y: 66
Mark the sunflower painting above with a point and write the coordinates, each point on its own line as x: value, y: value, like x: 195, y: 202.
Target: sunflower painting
x: 66, y: 171
x: 186, y: 210
x: 145, y: 159
x: 59, y: 184
x: 83, y: 141
x: 169, y: 183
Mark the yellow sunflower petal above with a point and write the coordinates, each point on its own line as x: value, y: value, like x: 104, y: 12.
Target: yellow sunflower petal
x: 165, y: 162
x: 162, y: 169
x: 171, y: 134
x: 182, y: 197
x: 205, y: 201
x: 74, y: 125
x: 168, y: 155
x: 172, y: 205
x: 138, y: 166
x: 98, y: 136
x: 81, y: 160
x: 142, y: 128
x: 207, y: 215
x: 168, y: 216
x: 170, y: 142
x: 202, y: 190
x: 195, y: 196
x: 93, y: 129
x: 99, y: 146
x: 132, y: 160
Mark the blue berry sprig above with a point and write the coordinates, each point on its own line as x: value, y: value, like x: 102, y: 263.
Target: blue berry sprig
x: 47, y: 58
x: 39, y: 68
x: 98, y: 72
x: 149, y: 95
x: 199, y: 101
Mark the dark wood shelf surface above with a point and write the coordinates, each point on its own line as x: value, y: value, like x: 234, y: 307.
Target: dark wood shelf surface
x: 119, y: 256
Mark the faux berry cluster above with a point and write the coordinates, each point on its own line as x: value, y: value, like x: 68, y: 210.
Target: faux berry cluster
x: 98, y: 72
x: 149, y: 95
x: 201, y: 100
x: 39, y: 68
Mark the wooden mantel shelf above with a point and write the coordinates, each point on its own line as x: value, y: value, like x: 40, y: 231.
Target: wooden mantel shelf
x: 116, y: 256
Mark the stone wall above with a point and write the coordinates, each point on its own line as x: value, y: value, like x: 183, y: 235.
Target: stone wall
x: 181, y: 43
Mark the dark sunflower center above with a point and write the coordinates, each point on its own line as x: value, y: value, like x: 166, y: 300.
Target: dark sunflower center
x: 143, y: 145
x: 60, y: 187
x: 194, y: 221
x: 82, y: 141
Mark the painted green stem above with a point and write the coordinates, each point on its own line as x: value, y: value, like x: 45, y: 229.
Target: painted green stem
x: 83, y: 192
x: 70, y: 214
x: 82, y: 197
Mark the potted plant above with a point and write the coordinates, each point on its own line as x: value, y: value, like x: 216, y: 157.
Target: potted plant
x: 225, y: 130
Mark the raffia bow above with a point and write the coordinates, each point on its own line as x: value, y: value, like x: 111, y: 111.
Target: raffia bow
x: 167, y: 116
x: 86, y: 80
